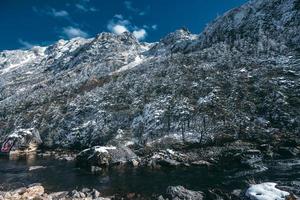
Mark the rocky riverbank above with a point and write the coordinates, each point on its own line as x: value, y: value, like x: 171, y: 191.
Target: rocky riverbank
x: 239, y: 157
x: 263, y: 191
x: 223, y: 155
x: 236, y: 160
x: 37, y: 192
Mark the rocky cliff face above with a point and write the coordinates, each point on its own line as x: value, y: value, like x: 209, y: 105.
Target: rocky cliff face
x: 238, y: 79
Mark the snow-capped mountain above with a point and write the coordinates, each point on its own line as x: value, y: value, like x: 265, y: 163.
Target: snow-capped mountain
x: 270, y: 25
x: 240, y: 77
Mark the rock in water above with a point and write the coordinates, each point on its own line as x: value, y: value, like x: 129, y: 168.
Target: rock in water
x: 266, y: 191
x: 180, y: 193
x: 105, y: 156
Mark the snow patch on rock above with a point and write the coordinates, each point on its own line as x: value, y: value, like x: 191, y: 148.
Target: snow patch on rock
x: 266, y: 191
x: 138, y: 60
x: 103, y: 149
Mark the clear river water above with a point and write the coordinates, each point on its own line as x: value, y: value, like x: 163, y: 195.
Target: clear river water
x: 62, y: 175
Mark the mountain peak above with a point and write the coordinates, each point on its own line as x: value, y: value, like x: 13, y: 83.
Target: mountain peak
x: 273, y: 24
x: 125, y: 37
x: 174, y: 42
x: 180, y: 34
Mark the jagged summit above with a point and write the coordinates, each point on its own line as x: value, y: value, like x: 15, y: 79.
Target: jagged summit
x: 181, y: 34
x: 174, y: 42
x: 264, y: 24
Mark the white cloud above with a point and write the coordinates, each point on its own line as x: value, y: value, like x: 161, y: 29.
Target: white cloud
x: 142, y: 13
x: 119, y: 25
x: 119, y: 19
x: 118, y: 16
x: 25, y: 44
x: 58, y: 13
x: 35, y: 9
x: 81, y: 7
x: 92, y: 9
x: 140, y: 34
x: 128, y: 5
x: 52, y: 12
x: 72, y: 32
x: 85, y: 8
x: 154, y: 26
x: 119, y: 29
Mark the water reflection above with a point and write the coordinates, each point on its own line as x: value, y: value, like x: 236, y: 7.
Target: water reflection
x: 30, y: 158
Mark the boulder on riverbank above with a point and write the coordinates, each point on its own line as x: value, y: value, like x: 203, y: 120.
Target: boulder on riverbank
x: 37, y: 192
x: 105, y: 156
x: 181, y: 193
x: 173, y: 158
x: 22, y: 141
x: 164, y: 158
x: 34, y: 191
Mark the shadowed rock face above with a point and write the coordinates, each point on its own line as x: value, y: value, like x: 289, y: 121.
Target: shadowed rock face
x: 239, y: 79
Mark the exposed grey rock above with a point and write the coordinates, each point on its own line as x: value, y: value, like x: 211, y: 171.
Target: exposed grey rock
x: 58, y: 195
x: 250, y: 158
x: 20, y: 190
x: 105, y: 156
x: 160, y: 198
x: 166, y: 158
x: 245, y: 161
x: 24, y: 140
x: 180, y: 193
x: 37, y: 191
x: 237, y: 193
x: 292, y: 187
x: 95, y: 193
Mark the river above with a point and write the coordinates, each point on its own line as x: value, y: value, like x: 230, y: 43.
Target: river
x: 58, y: 175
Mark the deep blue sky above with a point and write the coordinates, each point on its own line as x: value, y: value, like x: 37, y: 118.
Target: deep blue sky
x: 40, y: 22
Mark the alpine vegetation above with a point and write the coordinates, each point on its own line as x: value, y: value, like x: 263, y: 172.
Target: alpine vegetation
x: 239, y: 77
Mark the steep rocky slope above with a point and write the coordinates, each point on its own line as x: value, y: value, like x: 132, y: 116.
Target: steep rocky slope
x: 259, y: 26
x: 238, y: 79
